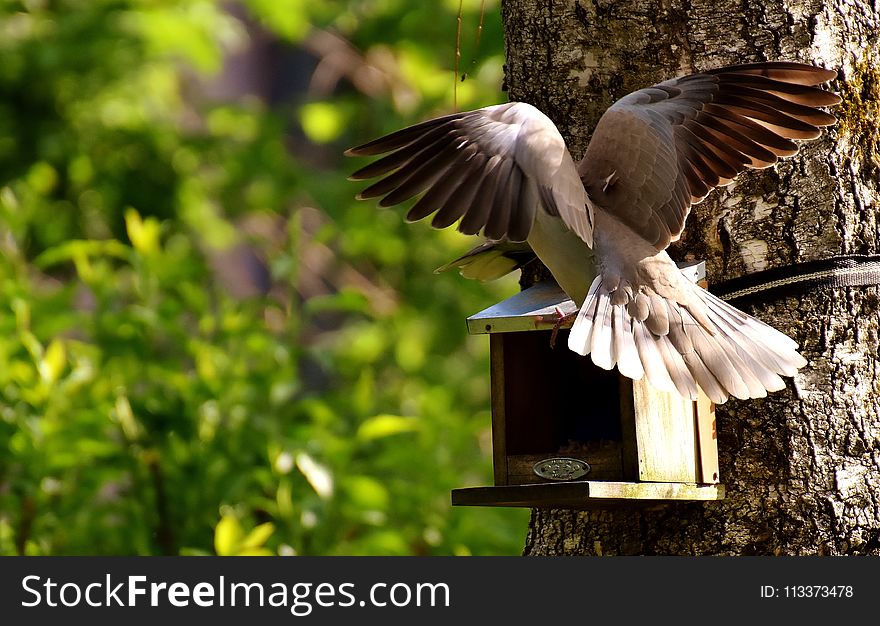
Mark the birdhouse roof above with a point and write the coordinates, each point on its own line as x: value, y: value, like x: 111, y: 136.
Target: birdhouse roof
x: 538, y: 307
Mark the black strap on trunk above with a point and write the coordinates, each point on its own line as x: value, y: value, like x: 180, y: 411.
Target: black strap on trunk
x: 853, y: 270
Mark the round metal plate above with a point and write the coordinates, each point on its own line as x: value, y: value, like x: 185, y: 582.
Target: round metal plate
x: 561, y: 468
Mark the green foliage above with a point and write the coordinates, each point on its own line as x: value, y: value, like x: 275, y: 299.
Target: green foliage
x: 148, y: 405
x: 230, y: 540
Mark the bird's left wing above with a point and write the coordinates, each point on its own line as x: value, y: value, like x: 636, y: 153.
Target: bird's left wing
x: 658, y: 150
x: 492, y: 168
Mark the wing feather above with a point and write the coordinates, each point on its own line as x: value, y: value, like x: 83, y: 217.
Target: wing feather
x: 492, y: 169
x: 715, y: 125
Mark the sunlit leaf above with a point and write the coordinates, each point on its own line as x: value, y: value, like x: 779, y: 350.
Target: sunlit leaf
x: 257, y: 537
x: 143, y: 233
x: 32, y: 345
x: 284, y: 500
x: 70, y: 250
x: 227, y: 536
x: 322, y: 121
x: 288, y: 18
x: 192, y: 30
x: 53, y: 361
x: 386, y: 425
x: 126, y: 418
x: 319, y: 476
x: 22, y: 310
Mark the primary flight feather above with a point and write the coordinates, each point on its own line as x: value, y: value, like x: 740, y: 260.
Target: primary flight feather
x: 602, y: 227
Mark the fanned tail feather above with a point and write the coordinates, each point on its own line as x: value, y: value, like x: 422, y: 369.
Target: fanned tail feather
x: 706, y: 344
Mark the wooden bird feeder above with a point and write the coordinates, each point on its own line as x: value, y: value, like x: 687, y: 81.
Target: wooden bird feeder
x: 568, y: 434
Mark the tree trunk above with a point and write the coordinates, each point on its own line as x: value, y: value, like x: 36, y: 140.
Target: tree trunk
x: 801, y: 467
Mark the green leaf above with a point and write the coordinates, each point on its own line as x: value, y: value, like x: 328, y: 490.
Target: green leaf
x: 144, y: 234
x: 42, y: 177
x: 79, y: 248
x: 288, y: 18
x: 322, y: 122
x: 53, y: 361
x: 227, y: 536
x: 257, y: 537
x: 367, y: 493
x: 131, y: 428
x: 386, y: 425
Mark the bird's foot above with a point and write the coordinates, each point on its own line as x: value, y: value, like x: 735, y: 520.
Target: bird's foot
x: 561, y: 318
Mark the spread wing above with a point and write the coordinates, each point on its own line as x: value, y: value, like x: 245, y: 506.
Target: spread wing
x: 492, y: 169
x: 658, y: 150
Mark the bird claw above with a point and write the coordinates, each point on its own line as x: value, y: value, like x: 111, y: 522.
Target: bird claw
x: 561, y: 318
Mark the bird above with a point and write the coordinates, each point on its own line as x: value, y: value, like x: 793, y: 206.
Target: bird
x: 602, y: 226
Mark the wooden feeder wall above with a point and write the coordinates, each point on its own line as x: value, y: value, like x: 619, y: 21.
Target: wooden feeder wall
x: 642, y: 446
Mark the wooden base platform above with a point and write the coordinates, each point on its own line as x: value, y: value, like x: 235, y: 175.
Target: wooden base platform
x: 587, y: 494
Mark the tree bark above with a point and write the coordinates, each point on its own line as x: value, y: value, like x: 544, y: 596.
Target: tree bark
x: 801, y: 467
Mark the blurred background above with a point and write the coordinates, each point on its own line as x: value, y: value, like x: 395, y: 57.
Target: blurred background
x: 207, y: 346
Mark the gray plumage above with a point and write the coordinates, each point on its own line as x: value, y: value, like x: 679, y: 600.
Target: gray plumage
x: 602, y: 227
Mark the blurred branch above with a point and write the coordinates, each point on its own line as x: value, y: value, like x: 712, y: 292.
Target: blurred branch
x: 28, y: 513
x: 375, y: 73
x: 164, y: 526
x: 338, y: 59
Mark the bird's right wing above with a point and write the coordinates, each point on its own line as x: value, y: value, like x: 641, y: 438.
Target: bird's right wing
x: 492, y: 168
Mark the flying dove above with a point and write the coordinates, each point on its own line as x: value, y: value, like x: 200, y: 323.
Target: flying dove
x: 602, y: 227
